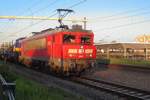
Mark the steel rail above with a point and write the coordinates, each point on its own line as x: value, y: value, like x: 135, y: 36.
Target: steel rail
x: 123, y: 91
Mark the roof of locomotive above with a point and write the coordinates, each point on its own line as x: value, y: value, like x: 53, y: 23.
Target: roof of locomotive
x: 20, y: 38
x: 56, y: 31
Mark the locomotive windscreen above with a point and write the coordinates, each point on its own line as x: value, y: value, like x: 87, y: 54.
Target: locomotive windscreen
x: 78, y: 39
x: 67, y: 38
x: 85, y: 39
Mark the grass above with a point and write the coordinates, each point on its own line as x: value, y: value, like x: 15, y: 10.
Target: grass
x: 30, y: 90
x: 123, y: 61
x: 130, y: 62
x: 103, y: 61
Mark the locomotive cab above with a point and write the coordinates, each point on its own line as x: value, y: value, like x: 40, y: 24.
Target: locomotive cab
x: 78, y: 51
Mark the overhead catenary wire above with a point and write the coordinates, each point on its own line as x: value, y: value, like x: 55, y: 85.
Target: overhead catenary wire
x: 118, y: 16
x: 119, y: 13
x: 52, y: 3
x: 40, y: 9
x: 76, y: 4
x: 32, y: 25
x: 121, y: 17
x: 47, y: 6
x: 31, y: 6
x: 124, y: 25
x: 115, y: 18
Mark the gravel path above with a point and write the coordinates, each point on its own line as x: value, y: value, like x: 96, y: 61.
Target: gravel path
x: 125, y: 76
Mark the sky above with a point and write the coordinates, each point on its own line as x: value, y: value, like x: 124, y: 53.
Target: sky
x: 119, y: 20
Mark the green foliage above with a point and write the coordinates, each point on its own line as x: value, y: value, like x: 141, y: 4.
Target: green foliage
x: 8, y: 76
x: 103, y: 61
x: 6, y: 73
x: 30, y: 90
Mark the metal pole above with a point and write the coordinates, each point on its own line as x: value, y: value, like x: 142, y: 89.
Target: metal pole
x: 85, y: 22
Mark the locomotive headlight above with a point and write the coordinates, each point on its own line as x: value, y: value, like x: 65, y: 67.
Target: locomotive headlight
x: 81, y: 47
x: 70, y: 55
x: 90, y: 55
x: 59, y: 60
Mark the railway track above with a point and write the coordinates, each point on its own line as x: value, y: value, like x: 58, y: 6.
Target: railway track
x: 123, y: 91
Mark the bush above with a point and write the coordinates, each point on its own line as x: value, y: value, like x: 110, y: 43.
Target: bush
x: 130, y: 62
x: 6, y: 73
x: 103, y: 61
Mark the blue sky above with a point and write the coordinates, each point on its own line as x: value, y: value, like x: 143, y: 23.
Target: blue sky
x: 15, y: 7
x: 104, y: 17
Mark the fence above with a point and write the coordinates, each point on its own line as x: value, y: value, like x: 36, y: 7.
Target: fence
x: 7, y: 88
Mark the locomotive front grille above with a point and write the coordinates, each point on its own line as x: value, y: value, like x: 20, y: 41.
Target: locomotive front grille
x: 77, y: 65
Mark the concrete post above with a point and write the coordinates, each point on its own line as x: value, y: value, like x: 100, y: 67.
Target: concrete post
x: 125, y: 53
x: 146, y: 54
x: 107, y: 53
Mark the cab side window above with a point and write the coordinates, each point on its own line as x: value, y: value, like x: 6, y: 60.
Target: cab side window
x: 67, y: 38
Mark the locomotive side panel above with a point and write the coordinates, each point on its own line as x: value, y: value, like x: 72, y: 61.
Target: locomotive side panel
x: 34, y: 51
x: 55, y: 49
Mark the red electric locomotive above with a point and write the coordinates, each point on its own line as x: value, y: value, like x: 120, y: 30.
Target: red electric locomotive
x: 63, y: 50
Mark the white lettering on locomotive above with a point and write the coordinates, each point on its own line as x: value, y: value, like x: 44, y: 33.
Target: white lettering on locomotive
x: 81, y: 51
x: 88, y: 50
x: 72, y: 51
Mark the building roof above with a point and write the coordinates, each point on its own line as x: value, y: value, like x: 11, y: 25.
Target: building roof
x: 124, y: 45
